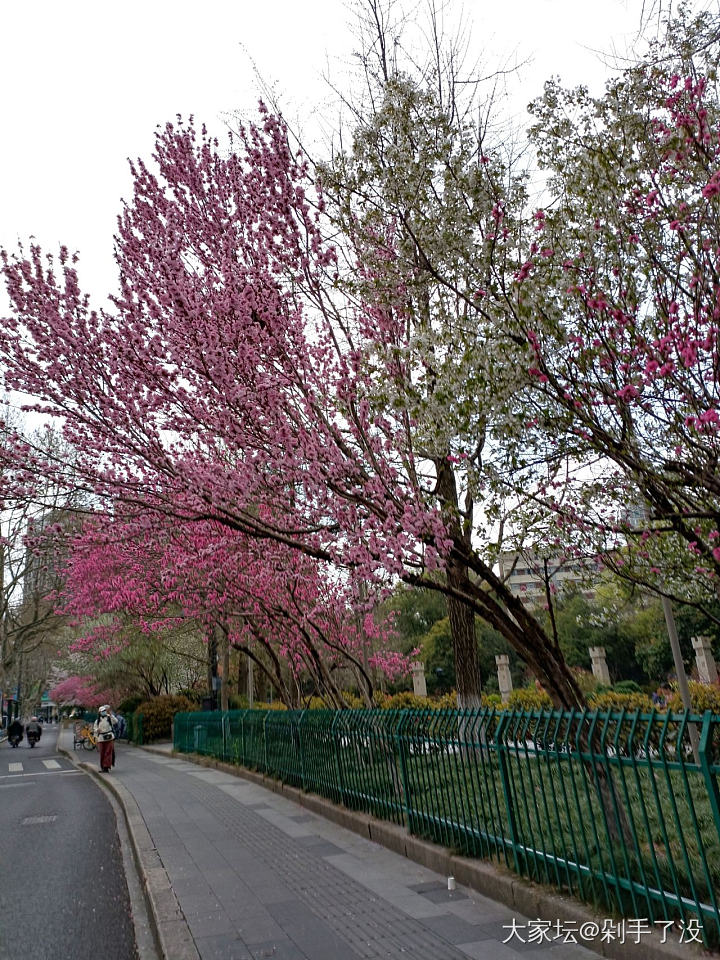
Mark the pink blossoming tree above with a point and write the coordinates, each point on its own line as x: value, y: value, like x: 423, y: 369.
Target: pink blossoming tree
x: 270, y: 602
x: 81, y: 691
x: 238, y: 379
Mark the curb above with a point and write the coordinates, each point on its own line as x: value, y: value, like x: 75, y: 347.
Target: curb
x: 171, y: 931
x: 491, y: 880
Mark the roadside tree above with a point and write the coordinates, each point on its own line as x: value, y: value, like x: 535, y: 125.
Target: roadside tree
x: 225, y: 385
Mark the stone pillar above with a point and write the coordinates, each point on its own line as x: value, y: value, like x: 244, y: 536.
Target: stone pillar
x: 599, y: 665
x: 502, y: 661
x: 707, y: 670
x: 418, y: 675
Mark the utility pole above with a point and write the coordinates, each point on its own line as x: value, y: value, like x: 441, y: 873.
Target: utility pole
x: 251, y: 683
x: 683, y: 685
x: 212, y: 668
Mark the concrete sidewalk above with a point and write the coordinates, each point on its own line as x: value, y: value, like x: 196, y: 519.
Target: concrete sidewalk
x: 253, y: 875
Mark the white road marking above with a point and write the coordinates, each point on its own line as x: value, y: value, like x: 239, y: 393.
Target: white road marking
x: 15, y: 767
x: 40, y: 773
x: 51, y: 764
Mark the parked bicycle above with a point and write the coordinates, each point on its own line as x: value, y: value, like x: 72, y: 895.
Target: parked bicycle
x: 84, y: 737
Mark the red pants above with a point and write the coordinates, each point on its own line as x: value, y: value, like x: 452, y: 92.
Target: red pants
x: 107, y: 754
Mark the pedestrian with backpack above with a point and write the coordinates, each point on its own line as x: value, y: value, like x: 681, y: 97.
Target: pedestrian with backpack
x: 105, y: 736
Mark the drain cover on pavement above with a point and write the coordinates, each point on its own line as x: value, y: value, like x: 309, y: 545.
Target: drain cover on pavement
x: 31, y: 820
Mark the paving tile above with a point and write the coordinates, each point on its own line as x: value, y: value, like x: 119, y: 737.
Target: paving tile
x: 444, y: 896
x: 288, y: 825
x: 470, y: 911
x: 244, y: 793
x: 570, y: 951
x: 283, y: 950
x: 179, y: 872
x: 309, y: 933
x: 428, y: 886
x: 255, y: 872
x: 220, y: 874
x: 210, y: 923
x: 237, y: 899
x: 318, y: 846
x: 258, y: 929
x: 451, y: 928
x: 222, y: 947
x: 416, y: 906
x: 193, y: 886
x: 542, y: 946
x: 269, y: 894
x: 487, y: 950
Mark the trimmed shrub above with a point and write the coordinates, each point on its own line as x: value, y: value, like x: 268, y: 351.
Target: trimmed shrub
x: 492, y: 700
x: 129, y: 705
x: 196, y: 696
x: 703, y: 696
x: 586, y: 680
x: 158, y: 714
x: 626, y: 686
x: 407, y: 701
x: 448, y: 701
x: 529, y: 698
x: 611, y: 700
x: 354, y: 701
x: 317, y: 703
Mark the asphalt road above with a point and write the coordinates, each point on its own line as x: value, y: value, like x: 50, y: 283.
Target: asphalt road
x: 63, y: 893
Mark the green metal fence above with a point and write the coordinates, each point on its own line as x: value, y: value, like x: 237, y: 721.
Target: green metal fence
x: 134, y: 728
x: 610, y: 806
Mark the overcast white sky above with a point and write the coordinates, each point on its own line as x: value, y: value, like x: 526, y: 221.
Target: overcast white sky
x: 84, y: 83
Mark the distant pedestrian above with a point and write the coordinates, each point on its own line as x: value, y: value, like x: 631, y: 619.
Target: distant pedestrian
x: 121, y: 726
x: 105, y: 737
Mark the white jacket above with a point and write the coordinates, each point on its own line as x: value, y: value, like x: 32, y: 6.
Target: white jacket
x: 103, y: 729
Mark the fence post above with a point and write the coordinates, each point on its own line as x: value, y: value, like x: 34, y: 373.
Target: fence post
x: 224, y: 721
x: 241, y: 758
x: 505, y: 781
x: 705, y: 757
x: 404, y: 782
x: 265, y: 719
x: 301, y: 748
x: 341, y: 787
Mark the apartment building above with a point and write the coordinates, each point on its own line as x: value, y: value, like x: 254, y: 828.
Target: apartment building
x: 525, y: 573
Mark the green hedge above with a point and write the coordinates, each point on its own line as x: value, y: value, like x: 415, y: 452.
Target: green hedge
x: 158, y: 715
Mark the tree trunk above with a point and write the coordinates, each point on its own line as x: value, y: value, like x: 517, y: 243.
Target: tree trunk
x: 242, y: 673
x: 212, y: 651
x: 250, y: 683
x: 225, y: 648
x: 460, y: 614
x: 464, y: 641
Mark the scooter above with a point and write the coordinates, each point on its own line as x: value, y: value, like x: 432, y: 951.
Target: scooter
x: 15, y: 739
x: 33, y: 738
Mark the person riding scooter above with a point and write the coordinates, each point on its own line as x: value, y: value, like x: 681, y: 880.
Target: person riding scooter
x: 33, y: 731
x: 15, y: 732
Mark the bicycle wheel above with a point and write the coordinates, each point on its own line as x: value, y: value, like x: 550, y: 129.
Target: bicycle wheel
x: 88, y: 744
